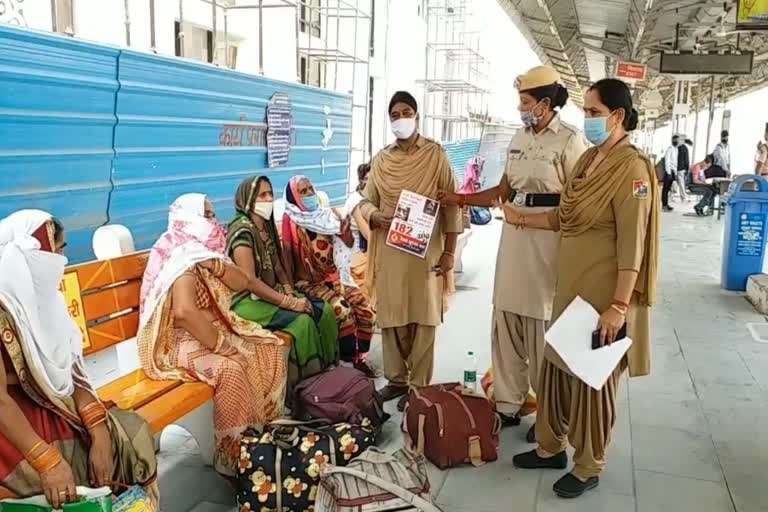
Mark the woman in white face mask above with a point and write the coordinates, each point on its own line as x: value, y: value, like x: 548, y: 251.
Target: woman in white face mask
x: 253, y: 245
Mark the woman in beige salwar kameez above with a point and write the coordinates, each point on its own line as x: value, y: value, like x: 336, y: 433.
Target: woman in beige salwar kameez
x: 609, y: 220
x: 187, y: 331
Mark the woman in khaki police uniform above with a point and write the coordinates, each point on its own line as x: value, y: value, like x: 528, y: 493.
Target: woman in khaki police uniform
x: 539, y: 161
x: 609, y: 221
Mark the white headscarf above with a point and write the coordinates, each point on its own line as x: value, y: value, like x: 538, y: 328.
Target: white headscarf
x: 190, y: 239
x: 29, y: 291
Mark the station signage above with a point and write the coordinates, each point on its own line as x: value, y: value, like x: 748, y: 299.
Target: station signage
x: 631, y: 71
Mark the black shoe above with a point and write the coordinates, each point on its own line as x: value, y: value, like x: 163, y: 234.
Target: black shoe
x: 392, y: 391
x: 530, y: 437
x: 531, y: 460
x: 368, y: 369
x: 668, y: 209
x: 699, y: 211
x: 509, y: 421
x: 571, y: 487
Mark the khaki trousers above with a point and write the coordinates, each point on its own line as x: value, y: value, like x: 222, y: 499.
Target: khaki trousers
x: 518, y: 349
x: 409, y: 354
x: 570, y: 410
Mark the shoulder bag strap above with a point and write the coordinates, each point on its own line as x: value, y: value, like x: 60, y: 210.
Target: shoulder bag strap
x: 404, y: 494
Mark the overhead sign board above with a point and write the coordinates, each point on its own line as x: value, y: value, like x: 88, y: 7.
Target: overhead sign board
x: 631, y: 71
x: 752, y: 14
x: 689, y: 63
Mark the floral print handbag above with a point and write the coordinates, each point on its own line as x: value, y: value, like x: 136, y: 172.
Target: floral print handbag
x: 279, y: 467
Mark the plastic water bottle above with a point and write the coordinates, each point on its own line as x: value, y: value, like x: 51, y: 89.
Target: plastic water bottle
x: 470, y: 372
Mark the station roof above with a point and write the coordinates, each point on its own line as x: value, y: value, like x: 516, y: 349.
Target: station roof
x: 584, y: 39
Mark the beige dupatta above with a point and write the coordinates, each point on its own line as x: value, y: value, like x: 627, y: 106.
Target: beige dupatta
x: 393, y: 170
x: 585, y: 198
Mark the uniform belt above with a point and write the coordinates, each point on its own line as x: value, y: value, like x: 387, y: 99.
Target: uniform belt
x: 530, y: 200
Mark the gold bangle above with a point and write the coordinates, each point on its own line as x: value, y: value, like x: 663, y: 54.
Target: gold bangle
x: 219, y: 343
x: 219, y: 269
x: 618, y: 309
x: 93, y: 414
x: 47, y: 460
x: 34, y: 448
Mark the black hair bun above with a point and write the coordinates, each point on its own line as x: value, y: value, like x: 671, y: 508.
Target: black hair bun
x: 561, y: 97
x: 632, y: 120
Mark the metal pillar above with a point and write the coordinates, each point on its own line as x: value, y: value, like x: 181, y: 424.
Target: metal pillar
x: 152, y: 35
x: 127, y: 24
x: 181, y: 28
x: 696, y: 121
x: 226, y: 38
x: 711, y: 112
x: 261, y: 37
x: 214, y: 8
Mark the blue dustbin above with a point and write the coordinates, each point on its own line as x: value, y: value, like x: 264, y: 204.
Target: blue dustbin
x: 746, y: 213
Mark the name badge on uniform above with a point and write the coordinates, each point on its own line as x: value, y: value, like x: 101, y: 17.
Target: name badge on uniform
x: 515, y: 151
x: 640, y: 189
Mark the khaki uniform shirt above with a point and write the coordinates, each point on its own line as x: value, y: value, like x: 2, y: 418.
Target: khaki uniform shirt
x: 762, y: 158
x: 590, y: 263
x: 526, y: 266
x: 407, y: 291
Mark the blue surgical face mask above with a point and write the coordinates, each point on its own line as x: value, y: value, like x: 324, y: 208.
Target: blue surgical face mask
x: 596, y: 130
x: 311, y: 203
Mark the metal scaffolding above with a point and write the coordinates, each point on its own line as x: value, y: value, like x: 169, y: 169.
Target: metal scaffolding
x: 319, y: 26
x: 322, y: 29
x: 350, y: 67
x: 455, y: 71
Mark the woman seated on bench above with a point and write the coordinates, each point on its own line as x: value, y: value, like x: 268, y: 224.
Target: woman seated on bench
x: 187, y: 331
x: 254, y: 246
x: 54, y: 432
x: 309, y: 235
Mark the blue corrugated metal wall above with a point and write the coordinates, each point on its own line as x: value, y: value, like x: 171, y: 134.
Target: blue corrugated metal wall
x: 459, y: 153
x: 57, y: 115
x: 97, y: 135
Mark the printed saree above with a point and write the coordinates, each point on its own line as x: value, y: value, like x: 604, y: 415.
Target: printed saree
x: 57, y: 422
x: 352, y: 308
x: 249, y: 383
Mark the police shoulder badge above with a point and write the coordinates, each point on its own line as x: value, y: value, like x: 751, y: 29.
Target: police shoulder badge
x: 640, y: 189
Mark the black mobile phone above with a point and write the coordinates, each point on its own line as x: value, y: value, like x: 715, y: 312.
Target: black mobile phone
x: 596, y: 337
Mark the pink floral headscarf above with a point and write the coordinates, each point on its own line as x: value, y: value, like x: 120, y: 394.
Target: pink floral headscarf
x: 190, y: 239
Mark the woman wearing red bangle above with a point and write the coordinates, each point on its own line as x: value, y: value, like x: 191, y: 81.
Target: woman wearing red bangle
x: 539, y: 161
x: 609, y: 221
x: 55, y: 433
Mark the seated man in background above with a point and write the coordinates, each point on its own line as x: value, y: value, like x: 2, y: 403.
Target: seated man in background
x: 704, y: 184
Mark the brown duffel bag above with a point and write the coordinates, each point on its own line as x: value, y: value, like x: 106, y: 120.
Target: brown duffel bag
x: 452, y: 425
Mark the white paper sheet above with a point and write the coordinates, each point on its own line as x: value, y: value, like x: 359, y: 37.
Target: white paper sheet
x: 571, y: 337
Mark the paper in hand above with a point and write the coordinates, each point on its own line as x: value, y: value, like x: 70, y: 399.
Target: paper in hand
x: 571, y: 337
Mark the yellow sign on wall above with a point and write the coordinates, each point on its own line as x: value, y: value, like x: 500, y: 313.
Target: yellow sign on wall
x: 752, y: 12
x: 70, y: 287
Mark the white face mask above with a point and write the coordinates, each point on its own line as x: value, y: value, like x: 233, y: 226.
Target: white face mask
x: 263, y: 209
x: 403, y: 128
